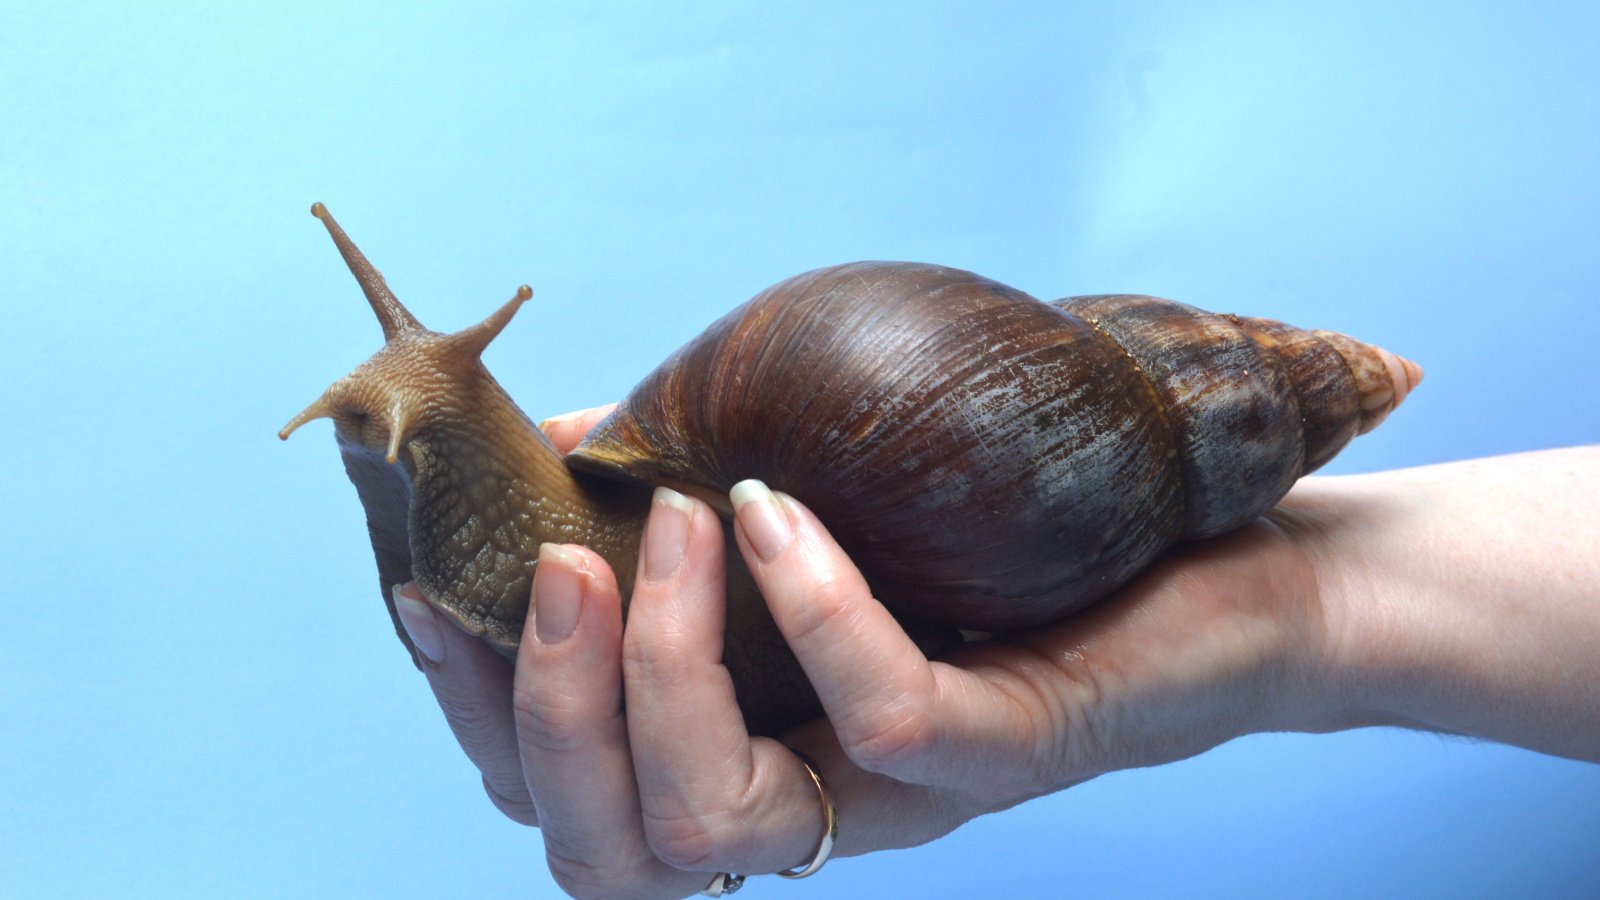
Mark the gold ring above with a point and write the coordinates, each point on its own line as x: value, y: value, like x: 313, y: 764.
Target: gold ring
x: 830, y: 822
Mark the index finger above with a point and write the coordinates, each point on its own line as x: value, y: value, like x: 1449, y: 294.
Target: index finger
x: 896, y: 713
x: 877, y: 687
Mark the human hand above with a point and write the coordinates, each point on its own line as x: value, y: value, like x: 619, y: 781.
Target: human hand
x: 1246, y: 633
x: 1180, y: 661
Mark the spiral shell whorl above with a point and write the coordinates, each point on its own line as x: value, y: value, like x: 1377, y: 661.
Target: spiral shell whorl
x: 1230, y: 406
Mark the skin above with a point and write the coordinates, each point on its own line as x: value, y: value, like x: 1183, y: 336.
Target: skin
x: 1460, y: 598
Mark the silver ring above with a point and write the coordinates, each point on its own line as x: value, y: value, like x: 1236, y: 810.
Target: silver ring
x: 723, y: 884
x: 830, y: 822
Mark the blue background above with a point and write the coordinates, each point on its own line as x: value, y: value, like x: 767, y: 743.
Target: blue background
x: 200, y: 693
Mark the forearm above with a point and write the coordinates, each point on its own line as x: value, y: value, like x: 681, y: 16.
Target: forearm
x: 1463, y: 597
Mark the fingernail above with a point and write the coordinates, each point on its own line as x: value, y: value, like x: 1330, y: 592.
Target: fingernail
x: 574, y: 415
x: 419, y: 621
x: 765, y: 523
x: 557, y: 593
x: 667, y: 534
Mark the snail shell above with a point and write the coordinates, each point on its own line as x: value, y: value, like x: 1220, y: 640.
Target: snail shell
x: 991, y: 461
x: 988, y: 460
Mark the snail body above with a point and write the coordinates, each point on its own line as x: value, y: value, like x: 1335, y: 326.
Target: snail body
x: 990, y: 461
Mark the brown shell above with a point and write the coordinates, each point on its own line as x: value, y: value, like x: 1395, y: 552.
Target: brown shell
x: 989, y: 460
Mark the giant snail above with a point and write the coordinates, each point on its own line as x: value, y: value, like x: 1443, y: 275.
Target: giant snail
x: 990, y: 461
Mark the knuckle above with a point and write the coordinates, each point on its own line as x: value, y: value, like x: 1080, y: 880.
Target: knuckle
x: 578, y: 878
x: 581, y: 878
x: 897, y: 740
x: 518, y: 809
x: 474, y: 714
x: 700, y: 835
x: 683, y: 842
x: 551, y: 721
x: 655, y: 657
x: 827, y: 610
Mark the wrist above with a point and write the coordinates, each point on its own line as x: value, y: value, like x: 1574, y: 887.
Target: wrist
x: 1360, y: 647
x: 1459, y: 598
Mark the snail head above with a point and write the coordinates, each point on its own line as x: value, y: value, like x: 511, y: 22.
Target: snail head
x: 416, y: 376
